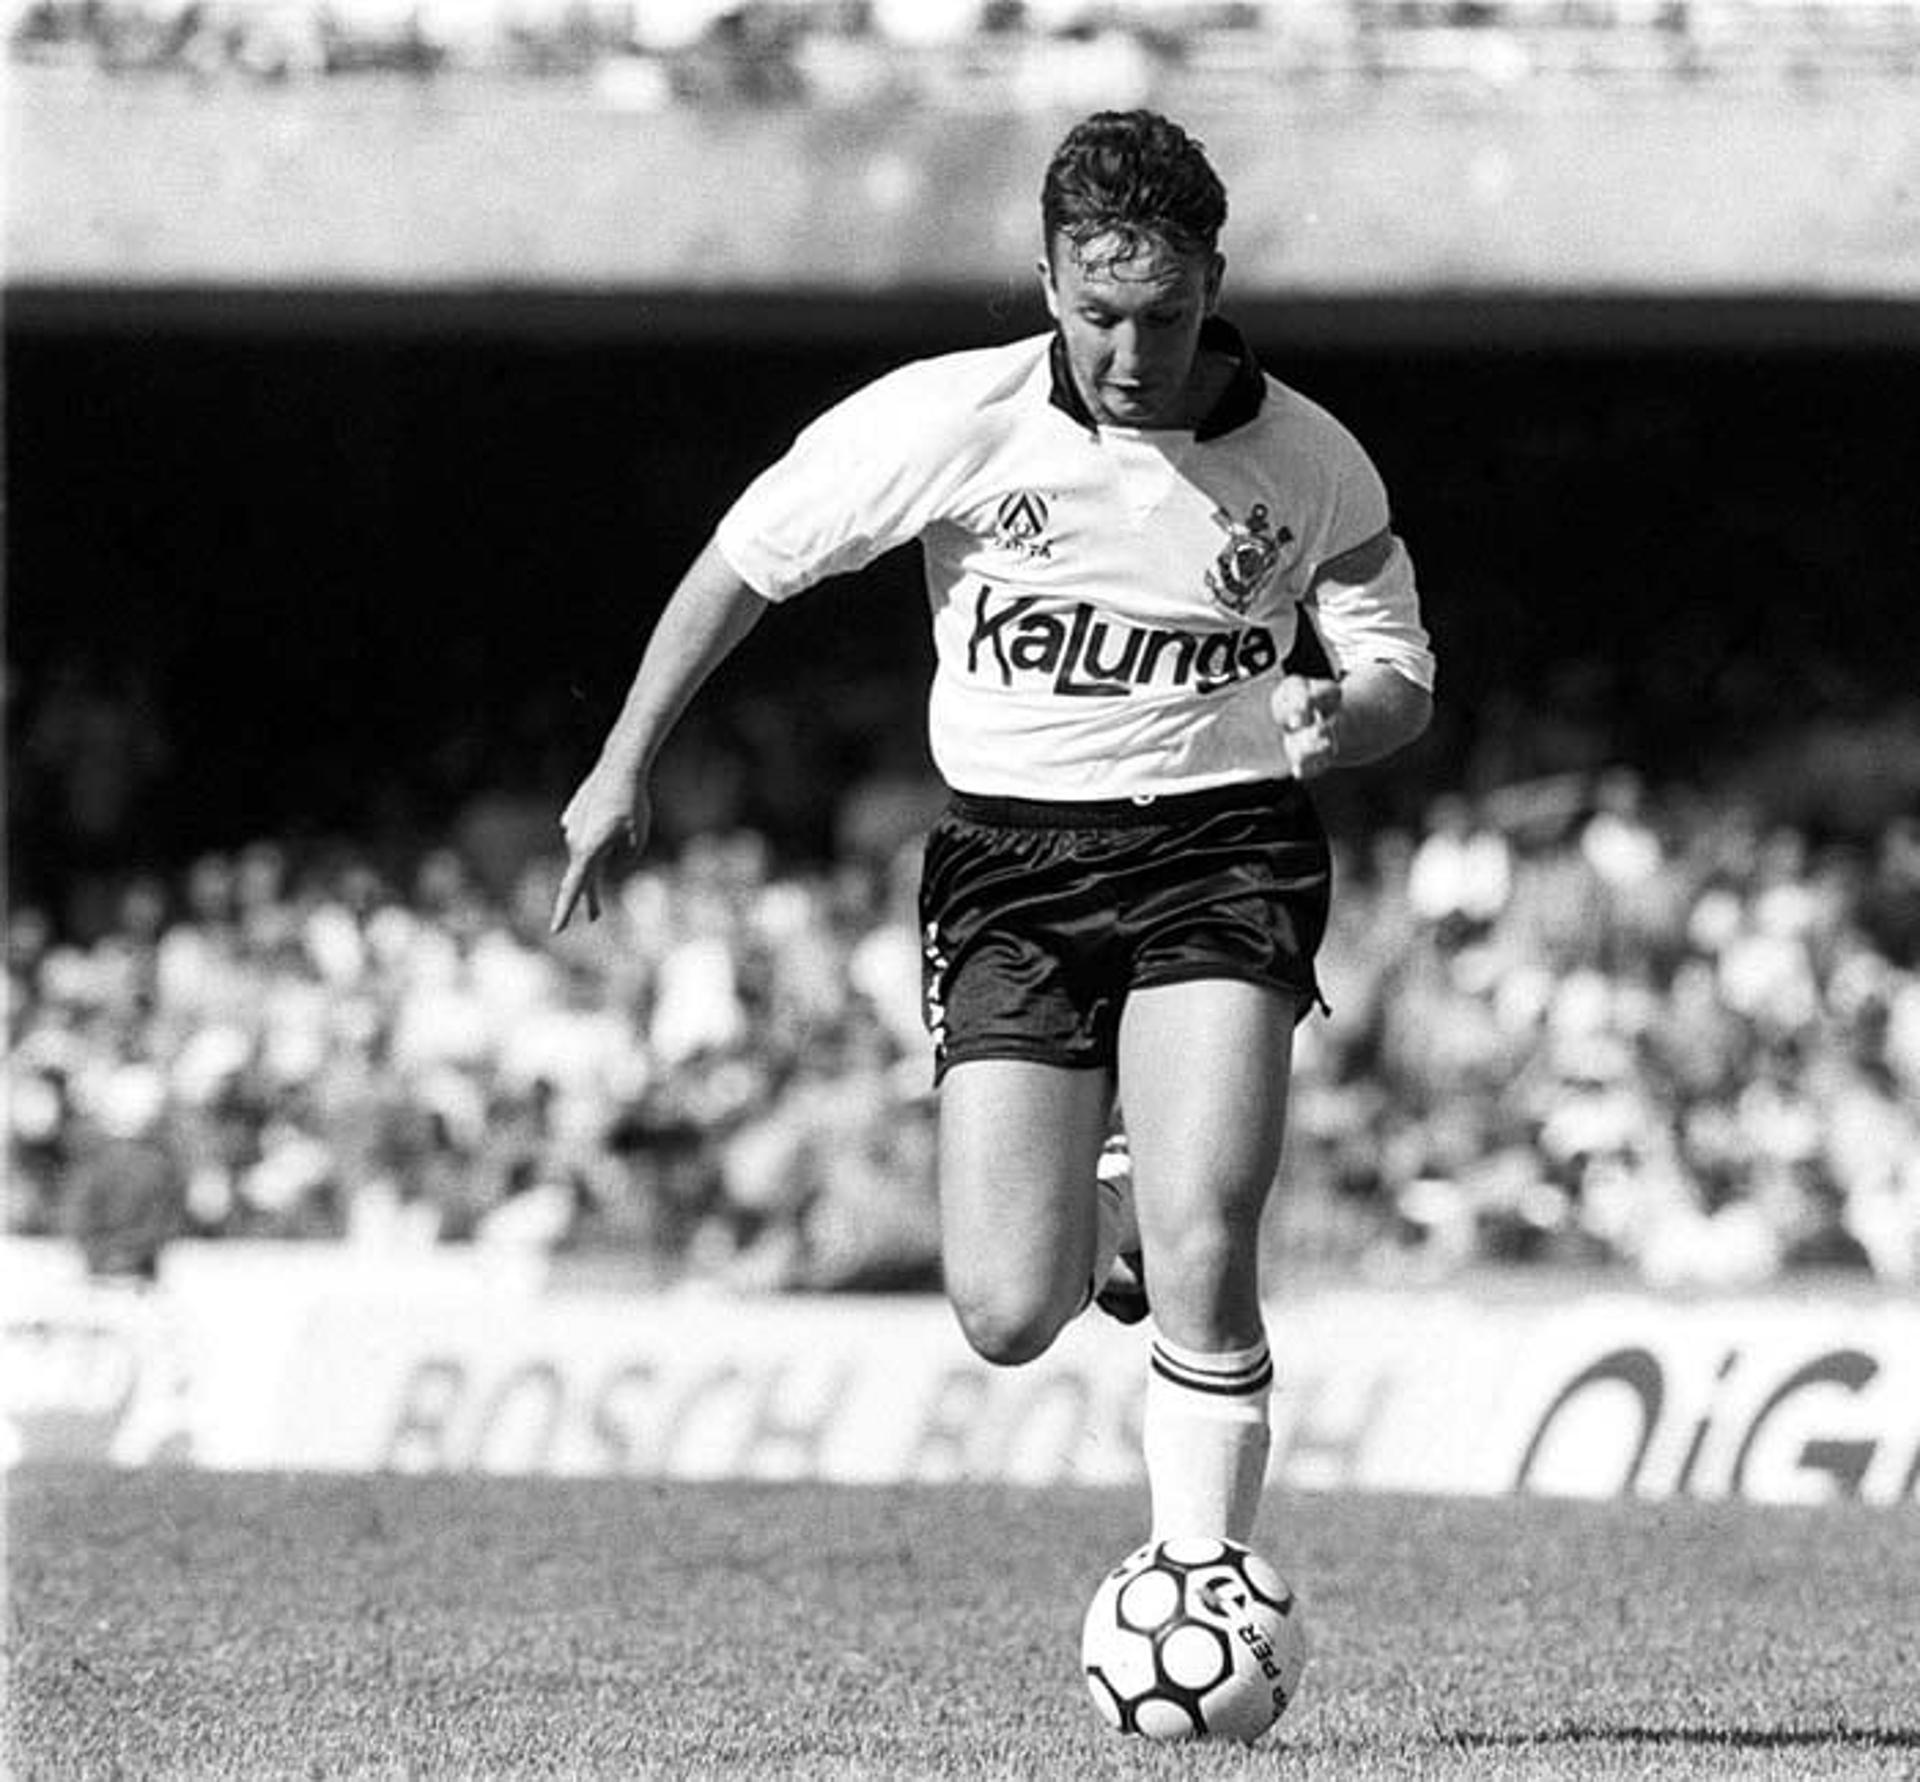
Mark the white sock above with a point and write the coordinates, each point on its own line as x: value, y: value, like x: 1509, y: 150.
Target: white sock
x: 1207, y: 1438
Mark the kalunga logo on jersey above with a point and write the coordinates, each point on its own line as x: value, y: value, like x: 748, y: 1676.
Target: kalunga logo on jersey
x: 1085, y: 656
x: 1247, y: 560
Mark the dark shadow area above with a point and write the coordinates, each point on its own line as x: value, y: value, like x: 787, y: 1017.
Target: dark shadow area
x: 301, y: 579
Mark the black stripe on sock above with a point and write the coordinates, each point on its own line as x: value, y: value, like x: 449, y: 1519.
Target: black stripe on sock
x: 1240, y: 1382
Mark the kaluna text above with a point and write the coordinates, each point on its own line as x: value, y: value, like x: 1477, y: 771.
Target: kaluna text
x: 1084, y: 656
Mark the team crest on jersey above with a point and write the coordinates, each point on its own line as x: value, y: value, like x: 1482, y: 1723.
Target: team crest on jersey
x: 1020, y: 525
x: 1247, y: 560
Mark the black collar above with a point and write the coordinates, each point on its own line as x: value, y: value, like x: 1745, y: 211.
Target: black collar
x: 1239, y: 401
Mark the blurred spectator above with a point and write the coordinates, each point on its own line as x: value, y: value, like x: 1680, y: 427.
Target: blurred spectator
x: 1461, y: 873
x: 85, y: 775
x: 125, y: 1197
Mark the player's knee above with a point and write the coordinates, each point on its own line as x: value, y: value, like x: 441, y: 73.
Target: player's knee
x: 1206, y: 1268
x: 1004, y: 1329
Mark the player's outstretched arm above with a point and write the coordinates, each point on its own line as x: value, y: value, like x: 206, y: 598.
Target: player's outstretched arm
x: 1368, y: 713
x: 710, y: 614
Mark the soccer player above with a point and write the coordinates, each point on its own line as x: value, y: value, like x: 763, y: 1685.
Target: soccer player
x: 1125, y: 523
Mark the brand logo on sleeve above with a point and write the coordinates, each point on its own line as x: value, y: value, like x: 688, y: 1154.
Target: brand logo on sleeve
x: 1247, y: 560
x: 1075, y: 652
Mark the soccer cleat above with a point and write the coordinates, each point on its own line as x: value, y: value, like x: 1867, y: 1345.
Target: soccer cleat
x: 1123, y: 1294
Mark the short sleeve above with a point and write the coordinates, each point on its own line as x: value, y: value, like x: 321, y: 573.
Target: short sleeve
x: 861, y: 479
x: 1363, y: 595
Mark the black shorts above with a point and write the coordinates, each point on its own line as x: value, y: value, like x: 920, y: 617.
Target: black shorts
x: 1037, y: 919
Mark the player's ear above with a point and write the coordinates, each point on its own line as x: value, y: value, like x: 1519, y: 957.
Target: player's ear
x: 1044, y: 266
x: 1216, y: 271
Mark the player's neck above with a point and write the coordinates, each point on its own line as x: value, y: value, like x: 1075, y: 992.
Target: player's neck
x: 1212, y: 373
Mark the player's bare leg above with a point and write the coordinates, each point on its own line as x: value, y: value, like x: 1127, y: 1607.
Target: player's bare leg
x: 1203, y: 1073
x: 1019, y: 1143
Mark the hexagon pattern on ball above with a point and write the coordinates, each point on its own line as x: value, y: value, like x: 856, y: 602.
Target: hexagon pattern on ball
x: 1193, y: 1638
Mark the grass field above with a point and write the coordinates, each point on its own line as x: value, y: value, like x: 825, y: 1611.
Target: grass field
x: 189, y: 1624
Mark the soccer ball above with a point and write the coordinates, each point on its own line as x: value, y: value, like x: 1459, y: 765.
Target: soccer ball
x: 1193, y: 1638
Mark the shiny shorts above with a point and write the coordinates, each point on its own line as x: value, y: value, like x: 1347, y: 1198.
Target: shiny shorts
x: 1037, y: 919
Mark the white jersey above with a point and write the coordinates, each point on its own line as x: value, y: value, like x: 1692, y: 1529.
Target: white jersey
x: 1111, y: 606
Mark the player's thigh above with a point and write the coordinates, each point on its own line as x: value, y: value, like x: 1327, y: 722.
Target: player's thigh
x: 1019, y: 1142
x: 1203, y: 1081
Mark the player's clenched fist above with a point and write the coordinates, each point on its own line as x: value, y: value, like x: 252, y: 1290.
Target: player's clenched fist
x: 1308, y: 713
x: 610, y: 811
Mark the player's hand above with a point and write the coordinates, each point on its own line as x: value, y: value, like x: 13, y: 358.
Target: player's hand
x: 610, y: 812
x: 1308, y: 713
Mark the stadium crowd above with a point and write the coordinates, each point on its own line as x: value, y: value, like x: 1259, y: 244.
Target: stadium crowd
x: 1037, y: 51
x: 1579, y: 1021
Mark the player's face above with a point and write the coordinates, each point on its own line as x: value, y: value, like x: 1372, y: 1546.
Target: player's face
x: 1131, y: 325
